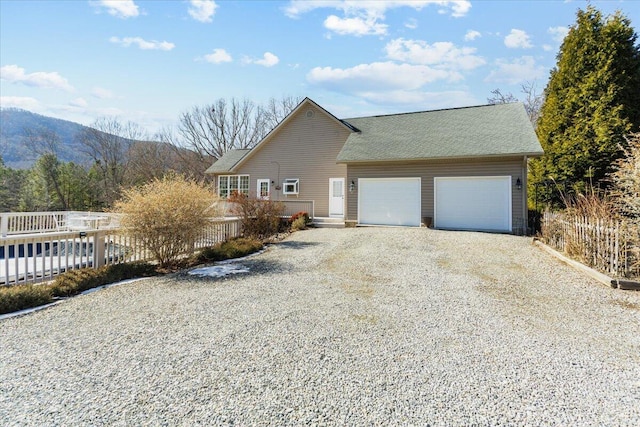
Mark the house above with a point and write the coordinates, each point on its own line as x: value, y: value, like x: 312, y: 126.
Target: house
x: 459, y: 168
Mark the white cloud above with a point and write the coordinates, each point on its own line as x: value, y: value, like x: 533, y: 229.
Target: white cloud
x: 472, y: 35
x: 202, y: 10
x: 558, y: 33
x: 26, y: 103
x: 363, y: 17
x: 142, y: 43
x: 457, y: 8
x: 517, y: 71
x: 119, y: 8
x: 412, y: 24
x: 444, y: 55
x: 268, y: 60
x: 547, y: 47
x: 79, y: 102
x: 101, y: 93
x: 517, y: 39
x: 15, y: 74
x: 376, y: 77
x: 355, y: 26
x: 418, y: 100
x: 218, y: 56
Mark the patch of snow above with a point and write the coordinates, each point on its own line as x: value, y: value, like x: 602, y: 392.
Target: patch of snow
x: 220, y: 270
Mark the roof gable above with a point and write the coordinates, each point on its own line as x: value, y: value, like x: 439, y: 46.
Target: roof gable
x: 489, y: 130
x: 227, y: 162
x: 305, y: 103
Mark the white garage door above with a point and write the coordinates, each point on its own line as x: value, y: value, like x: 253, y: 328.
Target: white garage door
x: 389, y: 201
x: 473, y: 203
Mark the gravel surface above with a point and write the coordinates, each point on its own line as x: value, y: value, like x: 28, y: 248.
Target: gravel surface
x: 366, y: 326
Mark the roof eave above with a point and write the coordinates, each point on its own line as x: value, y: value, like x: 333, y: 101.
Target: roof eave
x: 426, y: 159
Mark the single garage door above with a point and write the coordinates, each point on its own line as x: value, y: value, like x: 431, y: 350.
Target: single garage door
x: 473, y: 203
x: 389, y: 201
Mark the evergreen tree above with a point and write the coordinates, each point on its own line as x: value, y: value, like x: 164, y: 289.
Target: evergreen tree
x: 591, y: 102
x: 11, y: 183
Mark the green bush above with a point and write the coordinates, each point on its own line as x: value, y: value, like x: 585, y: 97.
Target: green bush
x: 75, y: 281
x: 20, y: 297
x: 304, y: 215
x: 299, y: 224
x: 234, y: 248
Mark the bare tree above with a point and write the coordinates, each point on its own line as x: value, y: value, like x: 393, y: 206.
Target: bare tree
x: 277, y: 109
x: 216, y: 128
x: 501, y: 98
x: 41, y: 141
x: 107, y: 141
x: 185, y: 160
x: 532, y: 100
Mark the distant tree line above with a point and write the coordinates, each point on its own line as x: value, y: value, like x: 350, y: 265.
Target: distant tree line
x: 123, y: 155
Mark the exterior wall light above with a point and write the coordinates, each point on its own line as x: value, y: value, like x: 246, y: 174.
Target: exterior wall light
x: 352, y: 186
x: 518, y: 184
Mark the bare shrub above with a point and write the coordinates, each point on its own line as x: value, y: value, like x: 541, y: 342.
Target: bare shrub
x: 167, y: 215
x: 626, y: 193
x: 259, y: 218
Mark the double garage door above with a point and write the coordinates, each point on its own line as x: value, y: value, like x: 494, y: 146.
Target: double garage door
x: 463, y: 203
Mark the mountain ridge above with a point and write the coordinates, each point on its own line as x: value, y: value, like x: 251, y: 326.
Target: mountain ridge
x: 15, y: 126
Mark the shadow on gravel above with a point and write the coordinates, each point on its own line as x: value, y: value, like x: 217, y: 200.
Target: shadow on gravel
x: 295, y: 245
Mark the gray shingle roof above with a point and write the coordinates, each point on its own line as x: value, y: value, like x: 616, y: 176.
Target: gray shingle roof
x: 489, y: 130
x: 227, y: 161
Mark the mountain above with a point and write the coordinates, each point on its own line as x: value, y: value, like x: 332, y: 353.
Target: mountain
x: 16, y: 124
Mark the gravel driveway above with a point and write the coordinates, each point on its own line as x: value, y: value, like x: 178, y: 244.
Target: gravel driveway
x: 366, y: 326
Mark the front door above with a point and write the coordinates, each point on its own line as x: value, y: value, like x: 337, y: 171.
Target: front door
x: 336, y: 197
x: 263, y: 189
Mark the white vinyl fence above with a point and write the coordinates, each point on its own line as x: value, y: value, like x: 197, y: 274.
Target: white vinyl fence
x: 41, y: 251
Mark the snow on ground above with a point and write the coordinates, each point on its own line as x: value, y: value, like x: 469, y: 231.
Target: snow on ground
x: 220, y: 270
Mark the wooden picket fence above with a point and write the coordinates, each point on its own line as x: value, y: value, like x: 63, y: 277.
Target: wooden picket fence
x: 604, y: 244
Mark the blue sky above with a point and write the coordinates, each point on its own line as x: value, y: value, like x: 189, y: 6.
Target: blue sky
x: 147, y: 61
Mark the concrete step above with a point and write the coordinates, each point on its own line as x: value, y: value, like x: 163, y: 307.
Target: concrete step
x: 328, y: 222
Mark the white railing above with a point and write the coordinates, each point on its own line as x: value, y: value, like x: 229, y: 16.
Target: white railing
x: 36, y: 257
x: 14, y: 223
x: 294, y: 206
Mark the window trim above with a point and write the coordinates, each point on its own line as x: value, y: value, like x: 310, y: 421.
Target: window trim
x: 259, y: 181
x: 238, y: 187
x: 291, y: 181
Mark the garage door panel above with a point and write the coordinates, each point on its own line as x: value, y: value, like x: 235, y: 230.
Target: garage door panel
x: 389, y: 201
x: 473, y: 203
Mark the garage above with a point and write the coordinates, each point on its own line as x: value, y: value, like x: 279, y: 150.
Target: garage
x: 389, y: 201
x: 473, y: 203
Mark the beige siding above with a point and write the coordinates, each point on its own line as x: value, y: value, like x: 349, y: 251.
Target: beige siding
x: 445, y: 168
x: 305, y: 148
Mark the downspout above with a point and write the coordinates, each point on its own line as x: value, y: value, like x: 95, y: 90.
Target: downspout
x: 525, y: 196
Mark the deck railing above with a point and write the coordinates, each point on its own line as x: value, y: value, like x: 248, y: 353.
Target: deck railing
x: 41, y: 253
x: 290, y: 207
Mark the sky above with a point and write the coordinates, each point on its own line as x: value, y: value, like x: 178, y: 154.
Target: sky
x: 149, y: 61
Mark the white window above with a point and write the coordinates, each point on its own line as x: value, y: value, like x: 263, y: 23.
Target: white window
x: 291, y: 186
x: 227, y: 184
